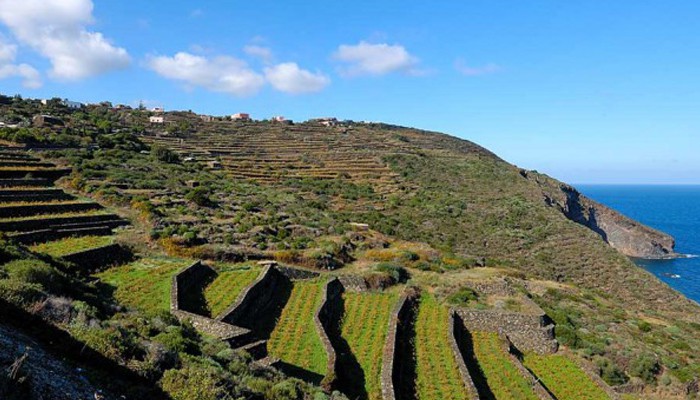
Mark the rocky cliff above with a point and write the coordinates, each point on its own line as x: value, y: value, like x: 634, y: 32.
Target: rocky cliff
x: 628, y: 236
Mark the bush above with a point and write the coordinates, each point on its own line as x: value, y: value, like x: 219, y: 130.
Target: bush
x: 395, y: 272
x: 610, y: 373
x: 20, y: 293
x: 463, y: 297
x: 197, y: 382
x: 199, y: 196
x: 165, y: 155
x: 177, y: 339
x: 645, y: 367
x: 34, y: 271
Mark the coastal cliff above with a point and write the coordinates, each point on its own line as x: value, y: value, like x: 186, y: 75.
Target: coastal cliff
x: 628, y: 236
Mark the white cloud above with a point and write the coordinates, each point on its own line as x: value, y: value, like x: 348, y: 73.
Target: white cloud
x: 289, y: 78
x: 30, y: 76
x: 57, y: 30
x: 486, y: 69
x: 263, y: 53
x: 374, y: 59
x: 219, y: 74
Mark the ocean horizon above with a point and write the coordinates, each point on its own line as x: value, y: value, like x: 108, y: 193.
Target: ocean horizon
x: 670, y: 208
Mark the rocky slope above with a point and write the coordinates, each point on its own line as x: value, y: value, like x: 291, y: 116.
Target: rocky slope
x: 628, y: 236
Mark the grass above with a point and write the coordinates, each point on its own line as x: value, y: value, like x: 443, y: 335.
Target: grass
x: 144, y: 284
x: 62, y: 247
x: 503, y: 378
x: 295, y: 339
x: 437, y: 372
x: 227, y: 286
x: 563, y: 377
x: 364, y: 328
x: 42, y: 203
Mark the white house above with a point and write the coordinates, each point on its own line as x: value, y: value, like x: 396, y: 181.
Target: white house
x: 72, y: 104
x: 240, y: 117
x: 156, y: 119
x: 158, y: 110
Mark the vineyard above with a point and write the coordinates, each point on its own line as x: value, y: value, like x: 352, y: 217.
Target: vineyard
x: 436, y: 369
x: 295, y: 339
x: 503, y: 378
x: 144, y: 284
x: 364, y: 328
x: 563, y: 377
x: 229, y: 283
x: 60, y: 248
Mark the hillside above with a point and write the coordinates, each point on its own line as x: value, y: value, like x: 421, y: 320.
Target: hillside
x: 432, y: 225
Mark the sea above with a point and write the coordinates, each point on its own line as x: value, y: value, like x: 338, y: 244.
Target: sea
x: 668, y: 208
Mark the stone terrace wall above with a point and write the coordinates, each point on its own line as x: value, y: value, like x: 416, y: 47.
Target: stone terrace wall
x: 220, y: 330
x: 327, y: 319
x: 297, y: 274
x: 529, y: 332
x: 92, y: 260
x: 254, y: 299
x: 537, y: 387
x: 456, y: 330
x: 353, y: 283
x: 184, y: 280
x: 391, y: 362
x: 47, y: 235
x: 58, y: 208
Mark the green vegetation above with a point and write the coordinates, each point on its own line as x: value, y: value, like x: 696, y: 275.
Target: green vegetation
x: 63, y: 247
x: 364, y: 328
x: 229, y: 283
x: 504, y: 379
x: 563, y: 377
x: 295, y: 339
x: 437, y: 372
x: 144, y: 284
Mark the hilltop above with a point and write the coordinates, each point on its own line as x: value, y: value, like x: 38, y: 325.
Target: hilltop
x: 350, y: 198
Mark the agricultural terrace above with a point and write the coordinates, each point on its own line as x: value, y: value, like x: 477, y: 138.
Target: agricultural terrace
x: 229, y: 283
x: 502, y: 377
x: 295, y: 339
x: 144, y: 284
x: 63, y: 247
x: 563, y: 377
x: 57, y: 215
x: 364, y: 328
x: 437, y: 373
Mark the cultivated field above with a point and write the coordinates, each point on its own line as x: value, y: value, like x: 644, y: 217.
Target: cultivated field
x: 62, y: 247
x: 503, y: 378
x: 436, y: 369
x: 563, y: 377
x: 364, y: 328
x: 295, y: 339
x: 144, y: 284
x: 224, y: 290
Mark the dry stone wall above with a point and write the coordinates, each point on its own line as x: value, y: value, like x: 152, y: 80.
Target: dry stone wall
x: 394, y: 363
x: 297, y: 274
x: 184, y: 280
x: 529, y: 332
x: 29, y: 210
x: 353, y: 283
x: 99, y: 258
x: 540, y: 391
x: 254, y: 299
x: 327, y: 319
x: 456, y: 330
x: 235, y: 335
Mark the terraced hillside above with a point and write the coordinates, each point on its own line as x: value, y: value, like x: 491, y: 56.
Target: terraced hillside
x: 34, y: 212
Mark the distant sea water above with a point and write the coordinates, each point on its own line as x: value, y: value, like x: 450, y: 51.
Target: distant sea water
x: 671, y: 209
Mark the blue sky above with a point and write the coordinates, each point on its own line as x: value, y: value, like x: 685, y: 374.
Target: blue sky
x: 588, y: 92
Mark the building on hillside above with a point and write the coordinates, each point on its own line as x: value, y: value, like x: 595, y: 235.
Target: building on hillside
x: 46, y: 120
x: 156, y: 119
x: 158, y: 110
x: 206, y: 118
x: 326, y: 121
x: 240, y: 117
x: 72, y: 104
x: 214, y: 165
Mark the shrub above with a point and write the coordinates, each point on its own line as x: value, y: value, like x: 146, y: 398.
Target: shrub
x: 196, y: 382
x: 34, y: 271
x: 463, y: 297
x: 177, y: 339
x: 165, y: 155
x: 645, y: 367
x: 199, y: 196
x: 610, y: 373
x: 20, y: 293
x: 395, y: 272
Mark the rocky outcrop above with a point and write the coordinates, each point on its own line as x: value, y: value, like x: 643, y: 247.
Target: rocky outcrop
x: 628, y: 236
